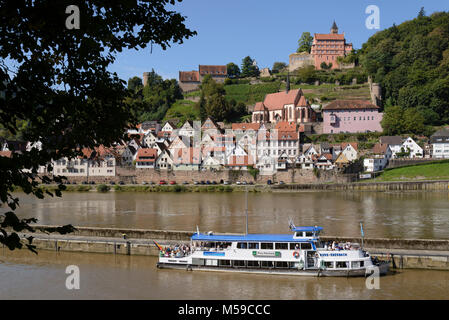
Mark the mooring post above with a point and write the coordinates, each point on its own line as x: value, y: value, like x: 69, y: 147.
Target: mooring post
x: 128, y: 248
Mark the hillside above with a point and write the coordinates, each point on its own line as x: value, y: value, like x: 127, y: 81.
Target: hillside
x: 411, y: 62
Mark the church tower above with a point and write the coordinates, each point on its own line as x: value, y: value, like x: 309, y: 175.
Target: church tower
x: 334, y: 29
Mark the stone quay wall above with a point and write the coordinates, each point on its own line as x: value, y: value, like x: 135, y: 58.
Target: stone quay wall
x: 130, y: 175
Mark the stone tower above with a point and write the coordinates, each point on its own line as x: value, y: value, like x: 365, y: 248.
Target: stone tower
x: 334, y: 28
x: 145, y: 78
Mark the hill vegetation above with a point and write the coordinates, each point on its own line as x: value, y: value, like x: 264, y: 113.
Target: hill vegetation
x: 411, y: 62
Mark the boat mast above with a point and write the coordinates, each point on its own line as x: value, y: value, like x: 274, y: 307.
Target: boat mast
x: 246, y: 196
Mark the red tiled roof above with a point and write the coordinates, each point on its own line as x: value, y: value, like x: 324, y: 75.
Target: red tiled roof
x: 187, y: 156
x: 246, y: 126
x: 285, y: 126
x: 380, y: 148
x: 329, y: 36
x: 350, y: 104
x: 213, y: 70
x: 353, y: 144
x: 259, y: 106
x: 186, y: 76
x: 302, y: 102
x: 239, y: 161
x: 286, y: 135
x: 276, y: 101
x: 144, y: 153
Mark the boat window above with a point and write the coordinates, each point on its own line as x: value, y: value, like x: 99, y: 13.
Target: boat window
x: 281, y: 245
x: 294, y: 246
x: 293, y: 264
x: 224, y: 263
x: 253, y: 245
x: 355, y: 264
x: 341, y: 264
x: 362, y: 263
x: 309, y: 234
x: 299, y: 234
x: 267, y: 264
x: 253, y: 264
x: 329, y: 264
x: 266, y: 245
x: 242, y: 245
x: 281, y: 264
x: 239, y: 263
x: 211, y: 262
x: 306, y: 246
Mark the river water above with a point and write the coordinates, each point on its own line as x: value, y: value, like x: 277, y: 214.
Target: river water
x: 401, y: 215
x: 391, y: 215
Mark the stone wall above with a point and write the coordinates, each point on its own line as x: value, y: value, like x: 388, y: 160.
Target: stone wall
x: 130, y: 175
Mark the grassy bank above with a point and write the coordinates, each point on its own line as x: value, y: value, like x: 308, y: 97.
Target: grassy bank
x: 438, y: 170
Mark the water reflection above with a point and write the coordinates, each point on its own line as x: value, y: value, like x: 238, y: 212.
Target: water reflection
x: 398, y: 215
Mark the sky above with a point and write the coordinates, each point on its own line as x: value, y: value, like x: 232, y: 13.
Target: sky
x: 266, y: 30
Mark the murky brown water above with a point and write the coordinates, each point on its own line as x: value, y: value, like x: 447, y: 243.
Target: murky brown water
x: 402, y: 215
x: 26, y: 276
x: 392, y: 215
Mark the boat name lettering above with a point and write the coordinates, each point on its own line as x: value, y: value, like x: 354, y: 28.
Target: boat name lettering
x: 333, y: 254
x: 267, y: 254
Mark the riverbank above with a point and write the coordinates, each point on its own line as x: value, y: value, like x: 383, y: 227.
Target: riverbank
x: 419, y: 185
x: 403, y: 253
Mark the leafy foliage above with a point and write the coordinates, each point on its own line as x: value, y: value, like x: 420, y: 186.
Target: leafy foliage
x: 248, y: 68
x: 278, y: 66
x: 411, y: 62
x: 57, y: 82
x: 305, y: 42
x: 233, y: 70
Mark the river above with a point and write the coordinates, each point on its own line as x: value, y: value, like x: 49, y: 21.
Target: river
x: 24, y: 275
x: 419, y: 215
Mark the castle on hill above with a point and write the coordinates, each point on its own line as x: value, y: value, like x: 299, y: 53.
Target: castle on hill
x: 325, y: 48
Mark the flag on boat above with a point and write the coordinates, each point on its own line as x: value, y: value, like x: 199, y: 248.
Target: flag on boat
x: 361, y: 230
x: 158, y: 246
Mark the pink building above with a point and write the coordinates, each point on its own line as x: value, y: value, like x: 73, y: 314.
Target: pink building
x: 328, y: 47
x: 351, y: 116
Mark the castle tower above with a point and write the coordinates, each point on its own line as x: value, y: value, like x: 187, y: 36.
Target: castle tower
x: 334, y: 28
x: 145, y: 78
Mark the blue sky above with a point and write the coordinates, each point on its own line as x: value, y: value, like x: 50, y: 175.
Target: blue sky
x: 268, y: 31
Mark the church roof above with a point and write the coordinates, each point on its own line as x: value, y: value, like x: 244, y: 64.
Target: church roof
x: 276, y: 101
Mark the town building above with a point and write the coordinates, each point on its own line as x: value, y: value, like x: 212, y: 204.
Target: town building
x: 351, y: 116
x: 378, y: 159
x: 328, y: 47
x: 288, y: 105
x: 190, y: 80
x: 440, y: 144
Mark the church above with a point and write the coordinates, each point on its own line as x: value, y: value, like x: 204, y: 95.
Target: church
x: 288, y: 105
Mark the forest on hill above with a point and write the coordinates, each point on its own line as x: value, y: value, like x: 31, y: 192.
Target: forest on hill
x: 411, y: 62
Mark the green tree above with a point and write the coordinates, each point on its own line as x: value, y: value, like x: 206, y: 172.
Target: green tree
x: 249, y: 69
x: 233, y: 70
x: 410, y: 62
x: 413, y: 121
x: 392, y: 120
x: 305, y: 42
x: 278, y: 66
x: 135, y: 84
x: 58, y: 81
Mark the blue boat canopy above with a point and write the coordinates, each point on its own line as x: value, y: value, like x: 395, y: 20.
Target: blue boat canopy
x: 248, y: 237
x: 306, y: 229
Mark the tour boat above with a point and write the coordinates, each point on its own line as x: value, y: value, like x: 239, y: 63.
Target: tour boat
x: 299, y: 253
